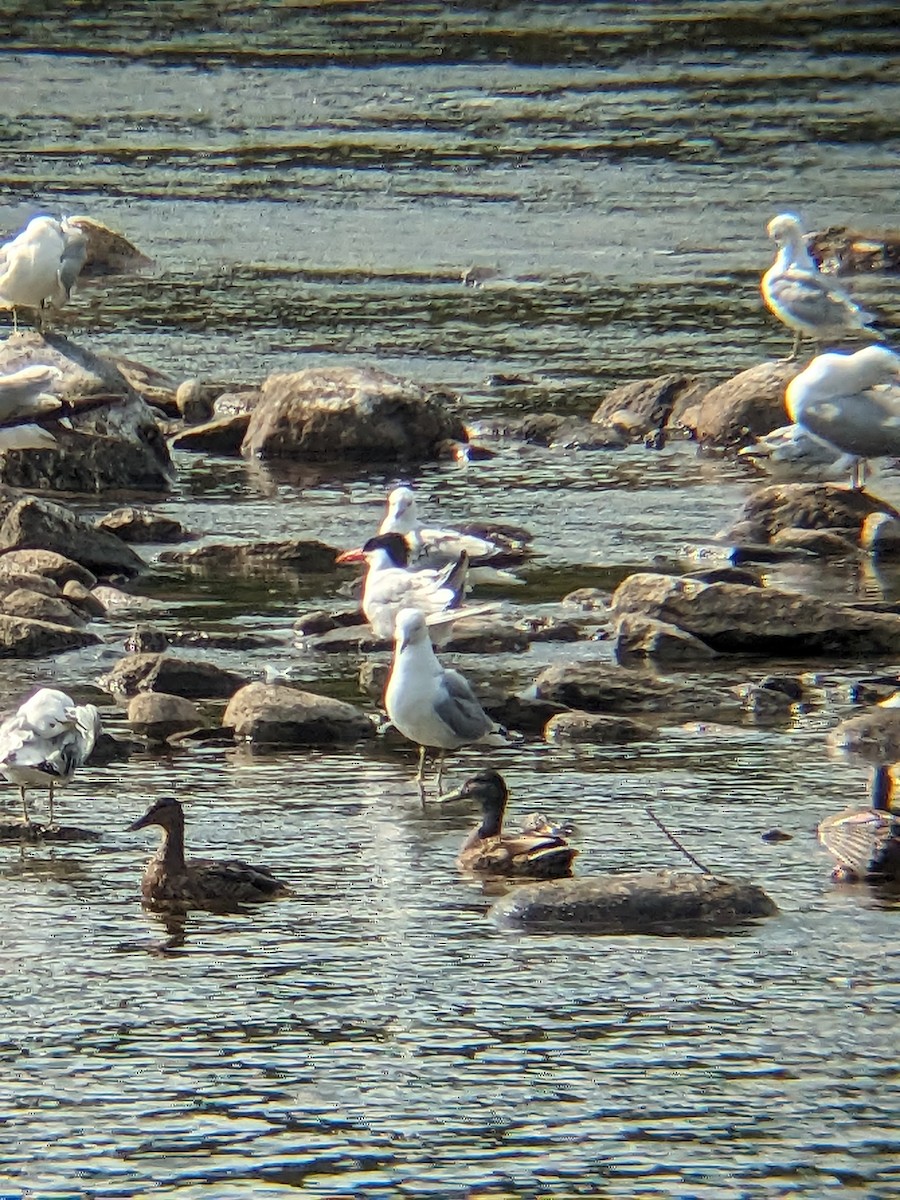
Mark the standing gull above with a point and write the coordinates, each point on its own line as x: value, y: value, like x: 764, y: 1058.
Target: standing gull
x: 45, y: 741
x: 429, y: 704
x: 850, y: 401
x: 40, y: 265
x: 800, y: 296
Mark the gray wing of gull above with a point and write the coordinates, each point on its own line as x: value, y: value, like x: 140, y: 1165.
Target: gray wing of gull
x: 867, y: 424
x: 458, y: 707
x: 816, y: 302
x: 856, y: 839
x: 73, y: 258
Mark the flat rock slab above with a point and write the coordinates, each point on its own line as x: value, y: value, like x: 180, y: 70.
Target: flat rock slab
x: 657, y: 902
x: 275, y: 715
x: 247, y: 558
x: 18, y: 831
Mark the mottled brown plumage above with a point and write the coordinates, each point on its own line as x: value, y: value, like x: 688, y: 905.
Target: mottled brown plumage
x: 538, y: 852
x: 171, y: 881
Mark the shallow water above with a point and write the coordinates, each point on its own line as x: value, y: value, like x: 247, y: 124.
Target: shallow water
x: 312, y: 181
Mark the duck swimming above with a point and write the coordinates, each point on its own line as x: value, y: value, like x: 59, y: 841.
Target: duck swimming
x: 539, y: 852
x: 170, y: 880
x: 866, y: 842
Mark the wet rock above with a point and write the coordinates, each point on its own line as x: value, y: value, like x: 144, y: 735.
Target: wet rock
x: 873, y: 736
x: 108, y: 750
x: 645, y: 637
x: 769, y: 510
x: 236, y: 402
x: 824, y: 543
x: 588, y: 599
x: 36, y: 606
x: 48, y: 563
x: 644, y: 408
x: 546, y: 629
x: 114, y: 600
x: 844, y: 251
x: 271, y: 714
x: 373, y: 678
x: 187, y: 677
x: 599, y: 728
x: 193, y: 402
x: 748, y: 620
x: 144, y: 639
x: 767, y: 705
x: 222, y: 436
x: 743, y: 408
x: 787, y: 685
x: 486, y: 635
x: 11, y: 581
x: 551, y: 429
x: 749, y: 576
x: 320, y: 621
x: 521, y: 714
x: 634, y: 902
x: 83, y: 600
x: 36, y: 524
x: 595, y: 686
x: 24, y: 638
x: 33, y: 832
x: 349, y: 414
x: 776, y: 835
x: 246, y: 558
x: 114, y: 441
x: 158, y: 716
x: 141, y: 525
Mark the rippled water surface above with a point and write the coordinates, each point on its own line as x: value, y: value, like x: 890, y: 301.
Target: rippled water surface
x: 312, y: 180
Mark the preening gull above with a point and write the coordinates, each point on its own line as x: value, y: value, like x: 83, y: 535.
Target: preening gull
x: 44, y: 742
x: 851, y: 401
x: 23, y: 396
x: 431, y: 705
x: 538, y: 852
x: 866, y: 842
x: 40, y: 265
x: 800, y: 296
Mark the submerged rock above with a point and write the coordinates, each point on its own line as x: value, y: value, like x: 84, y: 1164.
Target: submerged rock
x: 634, y: 902
x: 142, y: 525
x: 275, y: 715
x: 349, y: 414
x: 113, y: 441
x: 595, y: 686
x: 222, y: 435
x: 21, y: 637
x: 598, y: 728
x: 734, y: 619
x: 643, y: 409
x: 18, y: 831
x: 246, y: 558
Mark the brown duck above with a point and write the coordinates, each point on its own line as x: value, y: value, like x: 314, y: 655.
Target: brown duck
x: 171, y: 881
x: 866, y: 842
x: 538, y: 852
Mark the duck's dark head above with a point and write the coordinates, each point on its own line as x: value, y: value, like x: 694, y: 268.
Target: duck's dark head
x: 487, y: 788
x: 881, y: 793
x: 166, y: 812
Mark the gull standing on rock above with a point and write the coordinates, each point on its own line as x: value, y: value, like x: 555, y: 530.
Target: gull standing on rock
x: 850, y: 401
x: 44, y: 742
x: 800, y: 296
x: 429, y: 704
x: 40, y: 265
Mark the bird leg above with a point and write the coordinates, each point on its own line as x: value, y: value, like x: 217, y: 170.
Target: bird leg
x: 795, y: 349
x: 440, y: 771
x: 24, y: 806
x: 51, y: 803
x: 420, y: 774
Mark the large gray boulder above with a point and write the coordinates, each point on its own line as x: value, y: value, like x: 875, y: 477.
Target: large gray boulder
x: 736, y: 619
x: 158, y: 716
x: 250, y: 558
x: 596, y: 687
x: 188, y: 677
x: 771, y: 512
x: 655, y: 902
x: 643, y: 409
x: 275, y: 715
x: 32, y: 523
x: 360, y: 414
x: 23, y: 637
x: 114, y: 440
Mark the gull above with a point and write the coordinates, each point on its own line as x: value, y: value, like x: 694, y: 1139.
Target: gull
x: 866, y: 842
x: 390, y: 586
x: 45, y: 741
x: 436, y: 547
x: 850, y: 401
x: 40, y: 265
x: 791, y: 453
x: 431, y: 705
x: 800, y: 296
x: 23, y: 395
